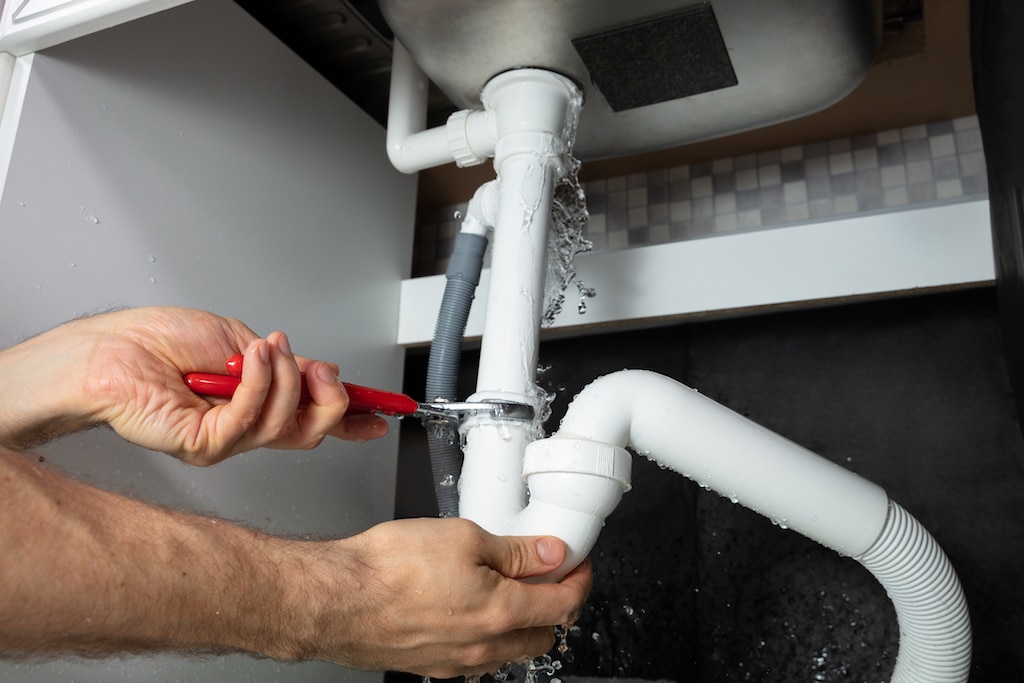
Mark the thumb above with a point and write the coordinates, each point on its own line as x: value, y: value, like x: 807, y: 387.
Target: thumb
x: 520, y: 557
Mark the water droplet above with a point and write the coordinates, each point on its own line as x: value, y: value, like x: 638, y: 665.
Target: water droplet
x: 449, y: 480
x: 152, y: 259
x: 563, y: 646
x: 72, y: 264
x: 152, y: 280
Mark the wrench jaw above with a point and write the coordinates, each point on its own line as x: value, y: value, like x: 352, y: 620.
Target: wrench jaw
x: 452, y: 412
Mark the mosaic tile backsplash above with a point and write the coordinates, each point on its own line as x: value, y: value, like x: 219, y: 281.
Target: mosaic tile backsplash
x: 923, y: 165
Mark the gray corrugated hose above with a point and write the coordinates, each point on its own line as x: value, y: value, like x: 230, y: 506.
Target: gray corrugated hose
x: 462, y: 278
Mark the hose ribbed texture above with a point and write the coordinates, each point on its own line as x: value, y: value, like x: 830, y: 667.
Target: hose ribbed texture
x: 935, y: 625
x: 443, y: 364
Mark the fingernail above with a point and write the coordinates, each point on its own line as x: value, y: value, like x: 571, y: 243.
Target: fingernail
x: 263, y: 348
x: 282, y: 343
x: 324, y: 372
x: 551, y: 551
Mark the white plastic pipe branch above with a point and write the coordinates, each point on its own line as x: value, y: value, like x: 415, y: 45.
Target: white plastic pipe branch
x: 468, y: 138
x: 682, y: 430
x: 482, y: 210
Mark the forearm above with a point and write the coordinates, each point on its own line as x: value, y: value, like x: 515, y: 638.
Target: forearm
x: 41, y: 386
x: 89, y: 572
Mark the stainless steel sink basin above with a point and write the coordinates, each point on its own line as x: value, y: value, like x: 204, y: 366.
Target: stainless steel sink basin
x: 655, y: 73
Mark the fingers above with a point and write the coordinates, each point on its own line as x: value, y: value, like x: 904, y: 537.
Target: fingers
x: 326, y: 407
x: 549, y: 604
x: 539, y: 604
x: 272, y: 386
x: 225, y: 428
x: 266, y: 398
x: 519, y: 646
x: 579, y: 582
x: 328, y: 395
x: 520, y: 557
x: 286, y: 387
x: 360, y: 428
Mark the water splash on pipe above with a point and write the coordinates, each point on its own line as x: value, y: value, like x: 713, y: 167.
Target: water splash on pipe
x: 568, y: 238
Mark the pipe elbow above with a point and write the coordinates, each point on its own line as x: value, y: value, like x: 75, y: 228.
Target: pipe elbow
x: 411, y: 147
x: 723, y: 451
x: 574, y: 485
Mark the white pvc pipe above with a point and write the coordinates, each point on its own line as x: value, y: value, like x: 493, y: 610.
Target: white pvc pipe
x: 508, y: 352
x: 491, y: 487
x: 467, y: 138
x: 410, y: 147
x: 574, y: 485
x: 723, y: 451
x: 482, y: 210
x: 577, y: 477
x: 529, y: 111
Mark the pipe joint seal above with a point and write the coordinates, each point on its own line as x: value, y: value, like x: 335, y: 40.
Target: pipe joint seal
x: 579, y: 456
x: 457, y: 129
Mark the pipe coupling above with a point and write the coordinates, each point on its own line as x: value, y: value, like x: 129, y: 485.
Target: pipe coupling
x: 579, y: 456
x: 457, y: 129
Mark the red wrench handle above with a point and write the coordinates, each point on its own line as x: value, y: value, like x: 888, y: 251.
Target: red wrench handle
x: 361, y: 399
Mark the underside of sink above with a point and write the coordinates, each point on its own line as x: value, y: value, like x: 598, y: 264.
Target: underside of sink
x: 657, y: 74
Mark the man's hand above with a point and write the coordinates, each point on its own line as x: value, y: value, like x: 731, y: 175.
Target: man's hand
x: 92, y: 573
x: 442, y: 598
x: 125, y: 369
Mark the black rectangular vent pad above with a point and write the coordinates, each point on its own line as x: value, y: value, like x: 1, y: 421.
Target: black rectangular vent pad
x: 659, y: 59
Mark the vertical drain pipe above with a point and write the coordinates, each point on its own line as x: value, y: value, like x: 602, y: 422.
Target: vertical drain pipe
x: 531, y: 108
